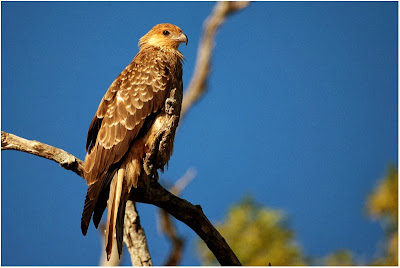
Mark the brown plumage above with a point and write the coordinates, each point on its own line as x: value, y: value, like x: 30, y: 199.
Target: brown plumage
x: 124, y: 127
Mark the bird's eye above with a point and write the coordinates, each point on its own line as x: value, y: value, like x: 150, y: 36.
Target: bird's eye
x: 165, y: 32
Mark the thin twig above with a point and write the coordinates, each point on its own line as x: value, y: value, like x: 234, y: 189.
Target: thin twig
x: 181, y: 184
x: 166, y: 223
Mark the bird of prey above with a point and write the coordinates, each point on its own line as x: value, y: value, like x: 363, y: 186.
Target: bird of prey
x: 125, y: 125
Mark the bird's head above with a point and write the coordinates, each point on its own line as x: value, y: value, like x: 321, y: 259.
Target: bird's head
x: 164, y: 35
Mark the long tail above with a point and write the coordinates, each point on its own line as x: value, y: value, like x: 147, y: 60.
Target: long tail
x: 114, y: 186
x: 116, y: 200
x: 126, y: 177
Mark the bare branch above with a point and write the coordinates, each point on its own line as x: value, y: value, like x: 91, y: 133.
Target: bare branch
x: 70, y: 162
x: 66, y: 160
x: 191, y: 215
x: 181, y: 184
x: 135, y: 238
x: 153, y: 193
x: 198, y: 84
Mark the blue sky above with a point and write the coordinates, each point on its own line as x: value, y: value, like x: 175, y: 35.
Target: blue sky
x: 301, y: 113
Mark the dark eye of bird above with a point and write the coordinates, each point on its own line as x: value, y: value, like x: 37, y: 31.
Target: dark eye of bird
x: 165, y: 32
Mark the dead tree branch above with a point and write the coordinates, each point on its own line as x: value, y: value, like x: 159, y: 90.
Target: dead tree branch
x: 66, y: 160
x: 135, y: 238
x: 198, y: 83
x: 183, y: 182
x: 151, y: 193
x: 191, y: 215
x: 137, y: 245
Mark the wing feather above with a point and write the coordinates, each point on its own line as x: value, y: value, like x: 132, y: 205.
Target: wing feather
x: 123, y: 113
x: 120, y: 132
x: 92, y: 132
x: 136, y: 93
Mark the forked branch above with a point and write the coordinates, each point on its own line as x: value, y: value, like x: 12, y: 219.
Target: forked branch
x: 152, y: 193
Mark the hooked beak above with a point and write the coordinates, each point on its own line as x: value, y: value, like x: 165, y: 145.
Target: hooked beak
x: 182, y: 38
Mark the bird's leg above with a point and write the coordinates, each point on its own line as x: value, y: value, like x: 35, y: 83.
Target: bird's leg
x: 167, y: 132
x: 161, y: 147
x: 149, y: 160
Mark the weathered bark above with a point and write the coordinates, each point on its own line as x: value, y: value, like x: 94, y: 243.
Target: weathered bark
x: 191, y: 215
x: 66, y: 160
x: 151, y: 193
x: 136, y: 237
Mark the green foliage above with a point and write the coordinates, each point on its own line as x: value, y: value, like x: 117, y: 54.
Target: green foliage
x: 341, y: 257
x: 258, y: 235
x: 383, y: 205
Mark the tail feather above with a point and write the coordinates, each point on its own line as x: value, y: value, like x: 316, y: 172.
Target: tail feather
x: 100, y: 207
x: 101, y: 202
x: 92, y: 195
x: 119, y: 227
x: 96, y: 201
x: 113, y: 205
x: 86, y: 214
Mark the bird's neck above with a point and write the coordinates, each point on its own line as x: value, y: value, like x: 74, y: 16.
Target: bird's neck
x: 173, y: 52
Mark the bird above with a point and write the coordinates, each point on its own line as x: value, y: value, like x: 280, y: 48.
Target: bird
x: 125, y: 125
